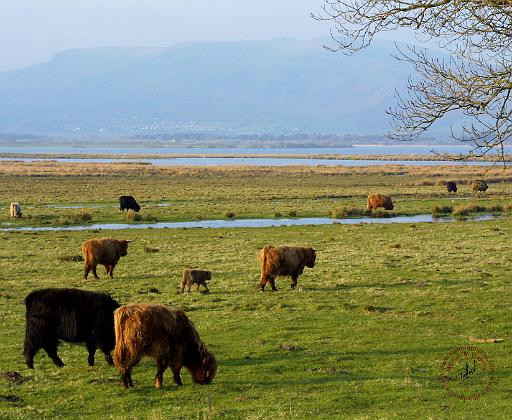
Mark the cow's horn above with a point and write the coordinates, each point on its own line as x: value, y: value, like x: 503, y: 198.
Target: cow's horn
x: 132, y: 240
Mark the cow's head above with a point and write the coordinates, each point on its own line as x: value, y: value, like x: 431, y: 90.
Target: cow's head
x: 208, y: 275
x: 123, y: 247
x: 310, y: 257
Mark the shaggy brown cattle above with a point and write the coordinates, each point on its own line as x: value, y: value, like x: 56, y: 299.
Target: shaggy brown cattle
x: 72, y: 315
x: 165, y: 334
x: 284, y: 261
x: 479, y: 185
x: 451, y: 186
x: 199, y: 277
x: 379, y: 200
x: 15, y: 211
x: 106, y: 251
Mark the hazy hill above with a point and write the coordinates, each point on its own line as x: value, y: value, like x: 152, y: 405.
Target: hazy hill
x: 277, y: 86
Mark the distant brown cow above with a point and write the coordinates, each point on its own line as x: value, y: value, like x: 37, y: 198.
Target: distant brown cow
x: 379, y: 200
x: 165, y: 334
x: 479, y: 185
x: 199, y: 277
x: 105, y: 251
x: 284, y: 261
x: 15, y: 211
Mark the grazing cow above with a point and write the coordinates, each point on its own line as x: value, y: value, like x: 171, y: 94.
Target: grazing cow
x: 127, y: 202
x: 199, y: 277
x: 479, y: 185
x: 379, y: 200
x: 451, y: 186
x: 284, y: 261
x: 105, y: 251
x: 15, y: 211
x: 165, y: 334
x: 72, y: 315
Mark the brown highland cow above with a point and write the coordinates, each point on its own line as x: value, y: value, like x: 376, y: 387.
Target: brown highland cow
x: 284, y: 261
x: 106, y: 251
x: 199, y: 277
x: 165, y: 334
x: 379, y: 200
x: 479, y: 185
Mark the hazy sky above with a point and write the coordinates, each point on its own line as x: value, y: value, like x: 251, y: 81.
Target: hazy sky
x: 31, y: 31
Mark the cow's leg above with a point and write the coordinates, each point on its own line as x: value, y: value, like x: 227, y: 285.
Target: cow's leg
x: 176, y: 367
x: 30, y: 351
x: 272, y: 283
x: 112, y: 271
x: 263, y: 281
x: 87, y: 268
x: 91, y: 348
x: 295, y: 277
x: 108, y: 356
x: 126, y: 378
x: 51, y: 349
x: 198, y: 284
x: 161, y: 365
x: 206, y: 287
x: 94, y: 272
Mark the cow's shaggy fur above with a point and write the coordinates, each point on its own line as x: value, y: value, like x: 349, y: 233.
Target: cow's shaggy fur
x: 192, y: 276
x: 379, y: 200
x: 165, y: 334
x: 106, y: 251
x: 451, y: 186
x: 72, y: 315
x: 479, y: 185
x: 15, y: 211
x: 284, y: 261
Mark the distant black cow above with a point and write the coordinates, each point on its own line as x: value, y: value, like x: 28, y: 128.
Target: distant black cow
x: 451, y: 186
x: 127, y: 202
x: 72, y: 315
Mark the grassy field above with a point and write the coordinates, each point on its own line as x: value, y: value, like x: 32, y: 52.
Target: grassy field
x: 215, y: 193
x: 364, y: 335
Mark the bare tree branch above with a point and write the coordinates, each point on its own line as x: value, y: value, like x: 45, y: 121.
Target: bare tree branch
x: 475, y: 82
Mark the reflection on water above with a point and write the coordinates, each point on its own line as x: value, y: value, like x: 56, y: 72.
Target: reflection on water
x: 250, y: 223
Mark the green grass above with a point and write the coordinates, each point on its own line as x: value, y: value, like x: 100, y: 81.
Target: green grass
x: 363, y: 336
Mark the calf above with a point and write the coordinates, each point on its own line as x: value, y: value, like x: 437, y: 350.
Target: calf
x: 199, y: 277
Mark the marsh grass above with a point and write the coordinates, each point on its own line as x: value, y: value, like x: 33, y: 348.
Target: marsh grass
x: 469, y: 209
x: 131, y: 216
x: 74, y: 218
x: 438, y: 211
x: 344, y: 212
x: 210, y: 193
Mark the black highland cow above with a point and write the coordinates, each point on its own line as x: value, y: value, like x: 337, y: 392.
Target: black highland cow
x: 451, y: 186
x: 72, y: 315
x: 127, y: 202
